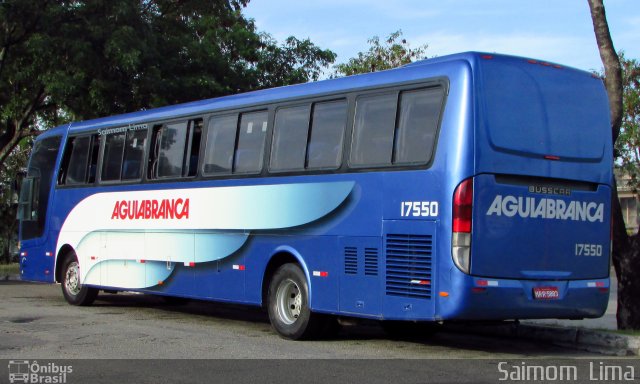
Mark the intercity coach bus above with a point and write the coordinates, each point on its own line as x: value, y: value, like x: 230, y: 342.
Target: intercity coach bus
x: 467, y: 187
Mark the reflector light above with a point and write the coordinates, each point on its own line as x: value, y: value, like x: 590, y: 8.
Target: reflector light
x: 142, y: 261
x: 487, y: 283
x: 46, y: 271
x: 599, y: 283
x: 23, y: 254
x: 238, y: 267
x: 320, y: 273
x: 551, y: 157
x: 93, y: 257
x: 444, y: 294
x: 189, y: 264
x: 48, y: 254
x: 487, y: 57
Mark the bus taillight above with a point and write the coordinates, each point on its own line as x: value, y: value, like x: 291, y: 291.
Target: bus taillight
x: 462, y: 216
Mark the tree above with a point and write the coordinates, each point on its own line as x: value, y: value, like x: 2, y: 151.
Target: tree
x: 393, y: 52
x: 626, y: 249
x: 628, y: 144
x: 76, y: 60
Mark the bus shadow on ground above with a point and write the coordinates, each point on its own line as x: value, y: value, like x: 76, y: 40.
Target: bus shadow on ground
x: 351, y: 330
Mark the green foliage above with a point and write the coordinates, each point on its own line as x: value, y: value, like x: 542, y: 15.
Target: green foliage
x: 627, y: 147
x: 393, y: 52
x: 77, y: 60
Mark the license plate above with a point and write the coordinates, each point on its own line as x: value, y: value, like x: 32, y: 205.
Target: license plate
x: 546, y: 293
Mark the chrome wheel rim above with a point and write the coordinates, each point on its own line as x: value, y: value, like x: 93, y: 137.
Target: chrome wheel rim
x: 72, y: 279
x: 289, y: 301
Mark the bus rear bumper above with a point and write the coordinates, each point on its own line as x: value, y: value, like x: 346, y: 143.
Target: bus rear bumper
x: 503, y: 299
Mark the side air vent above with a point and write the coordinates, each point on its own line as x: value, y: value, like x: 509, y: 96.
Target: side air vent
x: 371, y: 261
x: 409, y: 265
x: 350, y: 260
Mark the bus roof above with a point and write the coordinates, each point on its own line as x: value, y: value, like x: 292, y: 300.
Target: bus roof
x: 412, y: 72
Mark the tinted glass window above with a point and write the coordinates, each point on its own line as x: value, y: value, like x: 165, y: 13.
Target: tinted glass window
x: 251, y: 138
x: 193, y: 148
x: 41, y: 168
x: 76, y: 171
x: 373, y: 130
x: 417, y: 125
x: 327, y: 135
x: 133, y: 154
x: 112, y: 159
x: 221, y: 141
x: 172, y: 150
x: 93, y: 158
x: 290, y: 139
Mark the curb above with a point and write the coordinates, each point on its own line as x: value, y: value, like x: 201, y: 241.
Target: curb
x: 590, y: 340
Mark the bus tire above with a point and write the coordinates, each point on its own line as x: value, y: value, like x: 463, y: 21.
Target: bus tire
x: 74, y: 292
x: 288, y: 306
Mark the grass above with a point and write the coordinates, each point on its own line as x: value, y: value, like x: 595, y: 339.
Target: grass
x: 627, y: 332
x: 9, y: 269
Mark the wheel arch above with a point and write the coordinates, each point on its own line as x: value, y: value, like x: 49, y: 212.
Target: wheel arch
x: 63, y: 253
x: 281, y: 256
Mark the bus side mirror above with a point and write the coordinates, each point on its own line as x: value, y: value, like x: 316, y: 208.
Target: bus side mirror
x: 25, y: 203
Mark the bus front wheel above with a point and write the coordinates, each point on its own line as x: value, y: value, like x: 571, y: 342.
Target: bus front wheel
x: 288, y: 307
x: 74, y: 292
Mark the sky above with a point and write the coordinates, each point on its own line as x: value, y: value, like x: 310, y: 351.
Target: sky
x: 559, y: 31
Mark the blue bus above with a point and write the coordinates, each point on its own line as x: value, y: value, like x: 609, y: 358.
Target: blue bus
x: 467, y: 187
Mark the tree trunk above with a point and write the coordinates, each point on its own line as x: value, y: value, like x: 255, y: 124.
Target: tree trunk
x: 626, y: 249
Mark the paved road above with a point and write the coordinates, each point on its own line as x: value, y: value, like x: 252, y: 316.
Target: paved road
x: 138, y: 338
x: 36, y: 323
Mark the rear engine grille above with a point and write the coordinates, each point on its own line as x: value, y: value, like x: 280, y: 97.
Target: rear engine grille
x: 408, y: 265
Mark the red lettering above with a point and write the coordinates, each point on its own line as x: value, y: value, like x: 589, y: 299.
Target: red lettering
x: 116, y: 208
x: 151, y: 209
x: 139, y: 210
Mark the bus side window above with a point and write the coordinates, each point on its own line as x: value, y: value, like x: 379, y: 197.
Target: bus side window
x: 152, y: 166
x: 192, y: 153
x: 251, y: 140
x: 373, y: 130
x: 133, y: 154
x: 112, y: 158
x: 289, y: 147
x: 175, y: 149
x: 171, y: 153
x: 76, y: 171
x: 221, y: 142
x: 326, y: 137
x: 417, y: 125
x: 93, y: 158
x: 75, y: 161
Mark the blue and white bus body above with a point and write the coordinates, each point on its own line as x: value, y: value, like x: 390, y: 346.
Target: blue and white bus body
x: 373, y: 243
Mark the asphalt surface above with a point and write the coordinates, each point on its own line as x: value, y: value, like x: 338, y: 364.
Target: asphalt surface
x: 36, y: 323
x: 130, y: 338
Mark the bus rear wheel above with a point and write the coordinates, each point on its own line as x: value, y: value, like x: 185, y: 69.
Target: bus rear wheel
x: 288, y: 306
x: 74, y: 292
